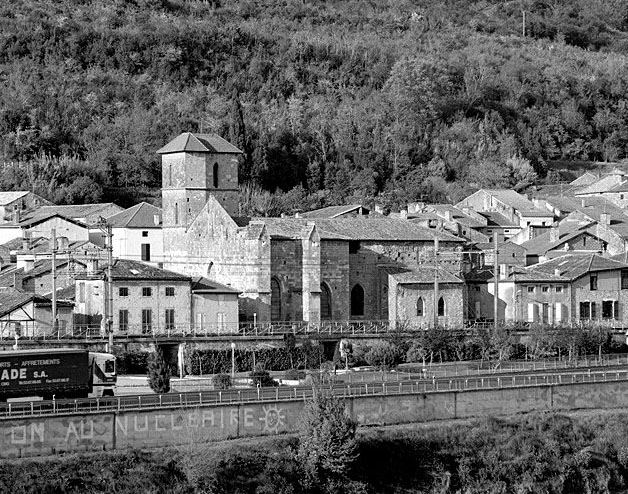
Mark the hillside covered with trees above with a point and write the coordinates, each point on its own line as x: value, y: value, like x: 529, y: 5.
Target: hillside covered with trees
x: 330, y: 100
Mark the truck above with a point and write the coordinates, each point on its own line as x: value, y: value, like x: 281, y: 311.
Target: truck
x: 49, y: 373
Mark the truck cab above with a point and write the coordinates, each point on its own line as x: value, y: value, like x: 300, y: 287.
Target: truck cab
x: 104, y: 376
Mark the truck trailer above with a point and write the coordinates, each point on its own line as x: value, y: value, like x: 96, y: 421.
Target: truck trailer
x: 56, y: 373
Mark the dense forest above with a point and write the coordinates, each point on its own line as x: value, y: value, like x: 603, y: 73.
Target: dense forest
x: 330, y: 100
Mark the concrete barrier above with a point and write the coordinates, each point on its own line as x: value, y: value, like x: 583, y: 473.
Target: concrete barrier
x: 41, y: 436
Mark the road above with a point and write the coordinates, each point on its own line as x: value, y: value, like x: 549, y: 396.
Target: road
x: 209, y: 397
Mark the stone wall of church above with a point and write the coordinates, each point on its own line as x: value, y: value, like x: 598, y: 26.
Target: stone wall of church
x: 335, y: 274
x: 403, y: 304
x: 216, y: 248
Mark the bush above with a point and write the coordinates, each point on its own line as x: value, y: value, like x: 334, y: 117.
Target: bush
x: 221, y: 381
x: 132, y: 362
x: 384, y: 355
x: 262, y: 378
x: 292, y: 375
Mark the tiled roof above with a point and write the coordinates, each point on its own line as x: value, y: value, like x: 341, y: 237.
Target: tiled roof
x: 11, y: 299
x: 457, y: 215
x: 622, y: 187
x: 574, y: 266
x: 203, y: 285
x: 67, y: 293
x: 141, y: 215
x: 77, y: 211
x: 40, y: 215
x: 356, y: 228
x: 125, y: 269
x: 45, y: 266
x: 604, y: 184
x: 332, y: 211
x: 422, y: 274
x: 567, y: 230
x: 595, y: 206
x: 583, y: 180
x: 199, y: 143
x: 9, y: 197
x: 16, y: 244
x: 497, y: 219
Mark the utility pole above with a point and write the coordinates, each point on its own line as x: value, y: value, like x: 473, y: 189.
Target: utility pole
x: 109, y: 321
x: 435, y: 282
x: 54, y: 279
x: 496, y: 285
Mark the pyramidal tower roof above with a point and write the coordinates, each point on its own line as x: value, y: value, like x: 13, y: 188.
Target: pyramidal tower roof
x: 199, y: 143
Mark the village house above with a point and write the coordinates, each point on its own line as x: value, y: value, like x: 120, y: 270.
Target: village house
x: 14, y: 204
x: 582, y: 288
x: 24, y: 314
x: 518, y: 210
x: 137, y: 234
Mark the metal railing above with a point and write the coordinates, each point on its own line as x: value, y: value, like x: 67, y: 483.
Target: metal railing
x: 275, y: 328
x: 278, y: 394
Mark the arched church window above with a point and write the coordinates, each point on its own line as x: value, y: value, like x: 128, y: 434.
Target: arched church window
x: 441, y: 306
x: 419, y: 307
x: 357, y: 301
x: 275, y: 300
x: 325, y: 301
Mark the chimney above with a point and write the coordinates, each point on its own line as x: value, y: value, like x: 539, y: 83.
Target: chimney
x: 297, y: 215
x: 605, y: 219
x: 403, y: 214
x: 26, y: 240
x: 556, y: 272
x: 448, y: 215
x: 583, y: 202
x: 554, y: 234
x: 156, y: 220
x: 379, y: 209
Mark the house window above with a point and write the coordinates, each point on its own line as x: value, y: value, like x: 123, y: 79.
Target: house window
x: 123, y: 291
x: 169, y: 318
x: 275, y: 300
x: 170, y: 175
x: 419, y: 307
x: 585, y: 310
x: 593, y: 282
x: 169, y: 291
x: 144, y: 234
x: 145, y: 252
x: 559, y: 289
x: 357, y: 300
x: 147, y: 321
x: 123, y: 320
x: 215, y: 175
x: 325, y: 302
x: 441, y: 306
x: 81, y: 296
x: 530, y: 289
x: 176, y: 213
x: 607, y: 309
x: 477, y: 288
x: 221, y: 320
x: 147, y: 291
x: 545, y: 313
x: 624, y: 279
x: 545, y: 289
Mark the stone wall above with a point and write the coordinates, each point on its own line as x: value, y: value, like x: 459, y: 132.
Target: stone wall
x: 40, y: 436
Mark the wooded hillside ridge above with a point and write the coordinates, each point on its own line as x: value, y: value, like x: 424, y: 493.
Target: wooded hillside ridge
x: 335, y: 101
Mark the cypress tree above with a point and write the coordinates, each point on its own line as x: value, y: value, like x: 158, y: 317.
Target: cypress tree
x: 158, y: 372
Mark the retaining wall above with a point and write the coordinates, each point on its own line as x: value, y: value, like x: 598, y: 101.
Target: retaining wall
x: 42, y: 436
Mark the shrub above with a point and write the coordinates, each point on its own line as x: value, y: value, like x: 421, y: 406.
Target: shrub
x: 221, y: 381
x: 262, y: 378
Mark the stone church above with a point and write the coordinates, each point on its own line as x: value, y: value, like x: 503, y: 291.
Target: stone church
x: 298, y: 269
